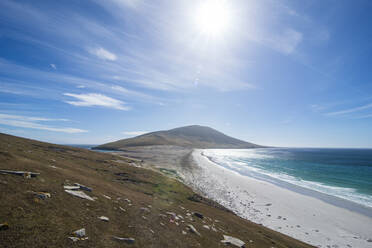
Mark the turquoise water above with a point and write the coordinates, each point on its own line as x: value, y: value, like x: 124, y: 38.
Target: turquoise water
x: 344, y: 173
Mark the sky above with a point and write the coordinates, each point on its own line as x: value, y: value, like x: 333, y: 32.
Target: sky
x: 281, y: 73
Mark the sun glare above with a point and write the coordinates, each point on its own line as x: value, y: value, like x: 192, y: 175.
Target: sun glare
x: 213, y: 17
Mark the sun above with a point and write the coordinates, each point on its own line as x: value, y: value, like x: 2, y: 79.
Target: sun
x: 213, y: 17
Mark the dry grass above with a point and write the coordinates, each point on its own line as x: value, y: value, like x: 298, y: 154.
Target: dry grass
x: 47, y: 223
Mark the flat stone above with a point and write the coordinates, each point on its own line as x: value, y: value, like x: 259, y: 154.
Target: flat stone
x: 232, y: 241
x: 125, y: 240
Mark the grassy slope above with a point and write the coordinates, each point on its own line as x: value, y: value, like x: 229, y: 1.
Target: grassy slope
x: 48, y: 223
x: 189, y: 136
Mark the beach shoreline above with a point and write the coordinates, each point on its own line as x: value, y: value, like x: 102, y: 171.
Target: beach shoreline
x: 288, y: 209
x: 301, y: 215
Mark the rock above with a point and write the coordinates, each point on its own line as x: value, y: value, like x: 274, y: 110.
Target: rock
x: 125, y: 240
x: 193, y: 230
x: 80, y: 233
x: 232, y: 241
x: 69, y: 187
x: 83, y: 187
x: 74, y: 239
x: 199, y: 215
x: 80, y: 194
x: 104, y: 218
x: 26, y: 174
x: 122, y: 209
x: 41, y: 195
x: 107, y: 197
x: 369, y: 240
x: 207, y: 227
x: 184, y: 232
x: 4, y: 226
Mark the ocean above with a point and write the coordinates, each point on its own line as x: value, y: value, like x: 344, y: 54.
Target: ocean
x: 343, y: 173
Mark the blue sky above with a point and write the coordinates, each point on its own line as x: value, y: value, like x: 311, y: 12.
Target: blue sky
x: 283, y: 73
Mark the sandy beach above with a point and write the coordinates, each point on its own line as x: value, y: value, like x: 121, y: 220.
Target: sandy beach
x: 306, y: 215
x: 303, y: 217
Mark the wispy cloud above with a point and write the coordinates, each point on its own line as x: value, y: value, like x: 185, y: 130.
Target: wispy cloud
x: 134, y: 133
x: 32, y: 122
x: 94, y: 99
x: 103, y: 54
x: 53, y: 66
x: 286, y: 42
x: 350, y: 110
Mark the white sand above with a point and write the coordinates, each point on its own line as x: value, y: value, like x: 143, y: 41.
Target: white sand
x: 302, y: 217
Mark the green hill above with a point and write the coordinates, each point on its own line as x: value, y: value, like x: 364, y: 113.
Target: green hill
x: 154, y: 210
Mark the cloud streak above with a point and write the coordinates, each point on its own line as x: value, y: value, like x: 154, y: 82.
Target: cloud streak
x: 103, y: 54
x: 350, y: 110
x: 94, y: 99
x: 32, y: 122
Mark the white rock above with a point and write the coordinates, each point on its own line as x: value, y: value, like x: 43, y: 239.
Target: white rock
x: 80, y: 194
x: 193, y: 229
x: 80, y: 233
x: 104, y: 218
x: 232, y: 241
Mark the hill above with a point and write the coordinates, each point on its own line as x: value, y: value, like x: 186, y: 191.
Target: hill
x: 190, y: 136
x: 154, y: 210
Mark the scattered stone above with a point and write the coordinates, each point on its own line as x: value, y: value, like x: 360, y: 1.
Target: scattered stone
x: 104, y: 218
x: 26, y: 174
x: 199, y: 215
x: 152, y: 231
x: 107, y: 197
x: 269, y: 204
x: 369, y: 240
x: 192, y: 229
x: 161, y: 223
x: 144, y: 217
x: 69, y: 187
x: 79, y: 235
x: 4, y: 226
x: 127, y: 200
x: 41, y: 195
x: 184, y: 232
x: 122, y: 209
x: 125, y: 240
x: 80, y: 194
x: 83, y: 187
x: 232, y: 241
x: 207, y: 227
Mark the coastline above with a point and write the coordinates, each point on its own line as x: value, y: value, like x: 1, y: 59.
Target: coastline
x: 297, y: 212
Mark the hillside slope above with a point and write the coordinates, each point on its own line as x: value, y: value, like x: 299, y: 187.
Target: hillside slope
x: 190, y: 136
x: 141, y: 204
